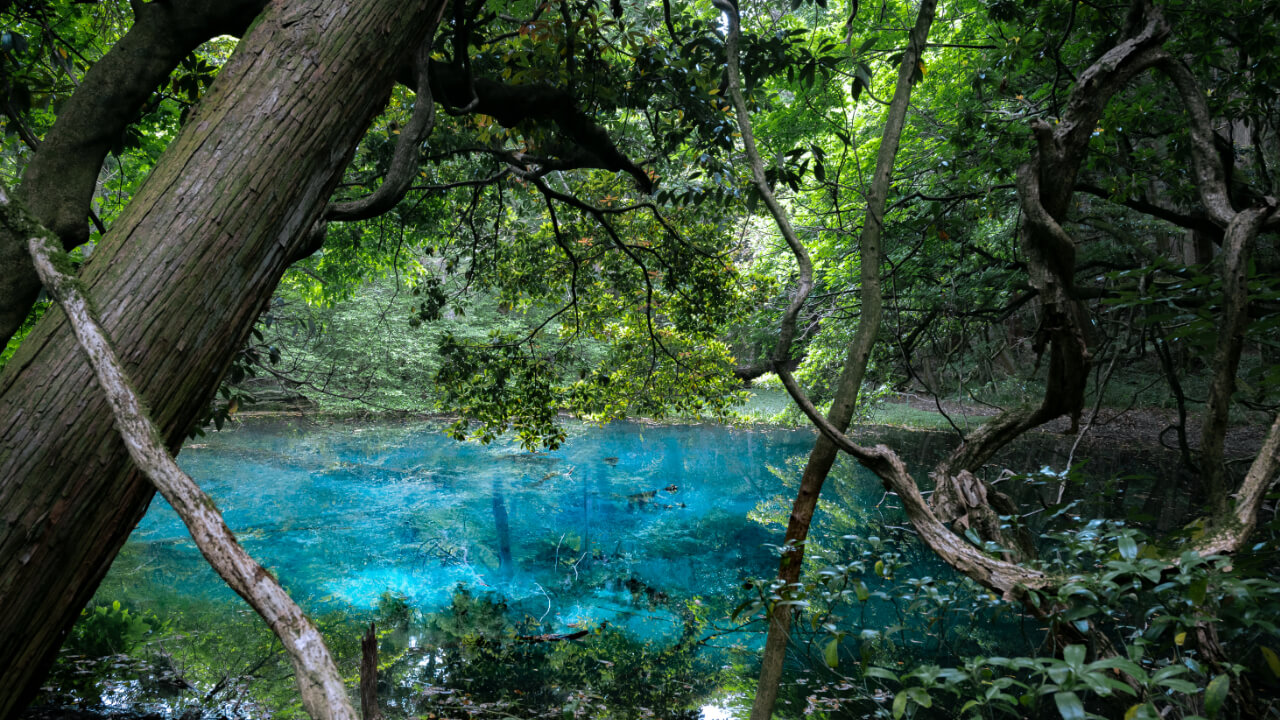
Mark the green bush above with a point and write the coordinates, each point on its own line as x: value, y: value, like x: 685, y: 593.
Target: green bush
x: 1132, y: 631
x: 104, y: 630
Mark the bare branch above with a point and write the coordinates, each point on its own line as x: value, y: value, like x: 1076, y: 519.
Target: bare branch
x: 1211, y: 177
x: 1009, y: 578
x: 804, y: 283
x: 323, y: 692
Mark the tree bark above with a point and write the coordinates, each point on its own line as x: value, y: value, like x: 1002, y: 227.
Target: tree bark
x: 323, y: 694
x: 1226, y: 356
x: 177, y: 283
x: 369, y: 675
x: 1046, y: 184
x: 59, y: 183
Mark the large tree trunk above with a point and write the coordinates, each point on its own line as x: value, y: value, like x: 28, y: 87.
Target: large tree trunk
x: 177, y: 284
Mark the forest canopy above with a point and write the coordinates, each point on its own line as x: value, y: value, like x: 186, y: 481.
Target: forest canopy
x: 1057, y: 209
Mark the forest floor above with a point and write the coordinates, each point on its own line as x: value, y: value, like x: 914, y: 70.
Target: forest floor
x: 1117, y: 427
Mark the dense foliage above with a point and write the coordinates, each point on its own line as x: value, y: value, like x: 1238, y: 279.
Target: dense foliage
x: 582, y: 234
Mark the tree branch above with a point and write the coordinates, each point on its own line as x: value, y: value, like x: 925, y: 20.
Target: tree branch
x: 589, y: 145
x: 1230, y: 532
x: 323, y: 692
x: 59, y: 183
x: 1191, y: 221
x: 404, y: 159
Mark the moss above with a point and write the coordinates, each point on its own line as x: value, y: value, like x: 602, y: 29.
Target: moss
x: 18, y: 220
x: 65, y: 264
x: 15, y: 217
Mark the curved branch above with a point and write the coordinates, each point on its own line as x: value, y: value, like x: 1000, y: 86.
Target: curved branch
x: 404, y: 160
x: 323, y: 693
x: 804, y: 283
x: 1045, y: 186
x: 1011, y: 579
x: 1229, y: 533
x: 59, y: 183
x: 1210, y: 176
x: 1191, y: 220
x: 589, y: 145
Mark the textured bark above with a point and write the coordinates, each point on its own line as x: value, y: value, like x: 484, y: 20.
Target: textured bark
x: 588, y: 144
x: 59, y: 183
x: 1228, y: 532
x: 1241, y: 228
x: 320, y: 684
x: 405, y: 158
x: 177, y: 283
x: 871, y: 252
x: 804, y: 279
x: 1226, y: 356
x: 1046, y: 184
x: 1009, y: 579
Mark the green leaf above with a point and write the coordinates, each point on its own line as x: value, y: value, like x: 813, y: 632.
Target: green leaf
x: 920, y: 697
x: 860, y: 589
x: 879, y: 672
x: 1181, y: 686
x: 832, y: 652
x: 1198, y: 590
x: 1273, y: 661
x: 1216, y: 694
x: 1074, y: 655
x: 899, y: 705
x: 1128, y: 548
x: 1069, y: 705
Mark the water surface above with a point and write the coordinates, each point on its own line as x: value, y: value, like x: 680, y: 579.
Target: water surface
x: 614, y: 526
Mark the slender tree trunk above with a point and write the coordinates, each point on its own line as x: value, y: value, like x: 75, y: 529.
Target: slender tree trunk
x: 177, y: 284
x: 502, y: 527
x: 824, y: 451
x: 369, y: 709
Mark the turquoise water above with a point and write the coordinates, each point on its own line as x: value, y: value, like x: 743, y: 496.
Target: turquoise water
x: 655, y: 532
x: 617, y: 525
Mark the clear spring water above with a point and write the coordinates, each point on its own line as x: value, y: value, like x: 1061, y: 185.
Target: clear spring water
x: 345, y: 512
x: 624, y: 524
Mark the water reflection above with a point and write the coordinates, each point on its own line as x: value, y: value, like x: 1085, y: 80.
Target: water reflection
x: 651, y: 531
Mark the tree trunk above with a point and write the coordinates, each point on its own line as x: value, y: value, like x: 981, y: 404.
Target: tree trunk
x: 824, y: 450
x: 177, y: 283
x: 369, y: 675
